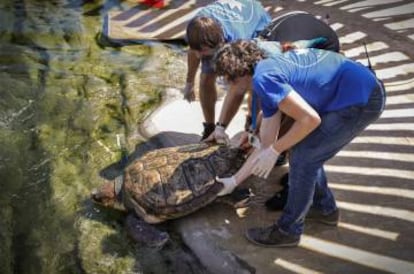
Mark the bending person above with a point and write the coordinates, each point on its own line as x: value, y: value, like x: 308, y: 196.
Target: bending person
x: 331, y: 99
x: 214, y: 25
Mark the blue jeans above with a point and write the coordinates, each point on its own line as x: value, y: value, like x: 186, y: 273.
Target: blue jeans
x: 307, y: 179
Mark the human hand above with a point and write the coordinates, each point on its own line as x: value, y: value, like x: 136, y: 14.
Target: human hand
x: 188, y: 92
x: 264, y: 162
x: 243, y: 141
x: 229, y: 185
x: 248, y: 140
x: 312, y: 43
x: 219, y: 135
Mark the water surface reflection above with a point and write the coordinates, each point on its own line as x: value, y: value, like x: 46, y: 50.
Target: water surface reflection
x: 63, y: 99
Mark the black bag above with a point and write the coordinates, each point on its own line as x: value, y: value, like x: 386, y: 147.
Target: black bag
x: 300, y: 25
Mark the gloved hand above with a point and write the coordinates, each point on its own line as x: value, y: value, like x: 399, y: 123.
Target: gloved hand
x: 219, y: 135
x: 264, y: 162
x: 229, y: 185
x: 188, y: 92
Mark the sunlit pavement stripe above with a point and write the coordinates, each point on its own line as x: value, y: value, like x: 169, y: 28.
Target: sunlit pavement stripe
x: 355, y: 255
x: 399, y: 85
x: 401, y: 25
x: 394, y: 71
x: 179, y: 34
x: 132, y: 18
x: 352, y: 37
x: 395, y: 100
x: 294, y: 267
x: 368, y: 3
x: 176, y: 22
x: 149, y: 11
x: 395, y: 173
x: 322, y: 2
x: 393, y: 126
x: 370, y: 231
x: 403, y: 157
x: 399, y: 10
x: 333, y: 3
x: 384, y: 140
x: 397, y: 113
x: 275, y: 9
x: 401, y: 214
x: 371, y: 47
x: 388, y: 191
x: 336, y: 26
x: 155, y: 20
x: 385, y: 58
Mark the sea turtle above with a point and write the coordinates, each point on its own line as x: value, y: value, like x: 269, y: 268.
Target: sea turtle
x: 168, y: 183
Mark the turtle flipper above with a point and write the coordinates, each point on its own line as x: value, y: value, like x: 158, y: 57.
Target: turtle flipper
x: 142, y: 232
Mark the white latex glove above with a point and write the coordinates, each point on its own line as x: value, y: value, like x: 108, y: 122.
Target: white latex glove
x: 220, y: 135
x: 229, y: 185
x: 188, y: 92
x: 264, y: 162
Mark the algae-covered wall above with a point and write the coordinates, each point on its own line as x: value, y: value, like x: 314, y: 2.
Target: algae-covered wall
x: 65, y: 101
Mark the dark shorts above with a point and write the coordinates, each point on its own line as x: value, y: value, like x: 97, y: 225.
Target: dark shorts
x: 299, y: 25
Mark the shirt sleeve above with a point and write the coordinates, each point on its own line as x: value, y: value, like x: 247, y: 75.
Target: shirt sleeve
x: 271, y: 88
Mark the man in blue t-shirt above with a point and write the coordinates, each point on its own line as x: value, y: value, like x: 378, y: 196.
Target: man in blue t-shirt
x: 218, y: 23
x: 331, y: 100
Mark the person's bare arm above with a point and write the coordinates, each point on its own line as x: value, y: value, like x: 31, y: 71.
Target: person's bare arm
x: 231, y: 104
x: 193, y: 61
x: 246, y: 170
x: 269, y: 130
x: 306, y: 120
x: 234, y: 99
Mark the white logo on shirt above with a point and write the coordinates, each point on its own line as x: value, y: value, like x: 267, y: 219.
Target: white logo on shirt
x: 301, y: 51
x: 232, y: 4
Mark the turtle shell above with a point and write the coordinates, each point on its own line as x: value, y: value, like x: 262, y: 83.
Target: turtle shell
x: 172, y: 182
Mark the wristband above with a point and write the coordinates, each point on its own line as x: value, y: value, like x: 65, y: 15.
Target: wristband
x: 221, y: 125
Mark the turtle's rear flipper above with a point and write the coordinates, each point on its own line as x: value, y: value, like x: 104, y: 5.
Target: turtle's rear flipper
x: 142, y: 232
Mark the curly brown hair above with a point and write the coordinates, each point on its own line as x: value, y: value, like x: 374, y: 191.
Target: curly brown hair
x: 237, y: 59
x: 204, y: 32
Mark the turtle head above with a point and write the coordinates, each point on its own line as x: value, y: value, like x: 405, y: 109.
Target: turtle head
x: 105, y: 195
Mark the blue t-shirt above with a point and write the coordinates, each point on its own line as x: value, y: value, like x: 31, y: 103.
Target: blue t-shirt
x: 240, y: 19
x: 326, y: 80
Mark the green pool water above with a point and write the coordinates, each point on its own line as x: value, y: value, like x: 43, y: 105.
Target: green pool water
x: 65, y: 96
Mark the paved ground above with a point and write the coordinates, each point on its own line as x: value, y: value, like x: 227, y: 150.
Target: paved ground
x: 373, y: 178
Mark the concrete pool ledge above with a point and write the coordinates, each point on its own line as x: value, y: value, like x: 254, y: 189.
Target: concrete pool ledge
x: 177, y: 119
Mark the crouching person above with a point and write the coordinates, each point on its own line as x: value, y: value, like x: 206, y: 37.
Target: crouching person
x: 331, y: 99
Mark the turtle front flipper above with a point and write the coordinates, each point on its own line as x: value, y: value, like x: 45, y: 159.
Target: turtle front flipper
x: 142, y: 232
